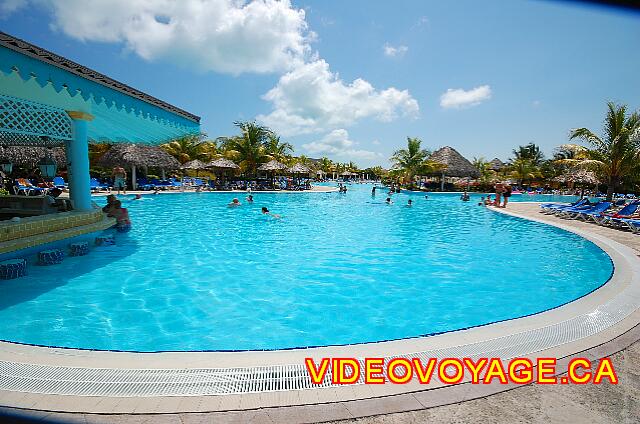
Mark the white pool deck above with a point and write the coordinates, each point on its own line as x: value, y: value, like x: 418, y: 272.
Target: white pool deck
x: 274, y: 383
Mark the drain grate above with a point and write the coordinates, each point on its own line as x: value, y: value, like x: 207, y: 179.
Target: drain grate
x: 118, y: 382
x: 57, y: 380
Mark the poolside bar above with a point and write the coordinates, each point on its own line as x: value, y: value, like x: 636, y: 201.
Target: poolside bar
x: 49, y: 101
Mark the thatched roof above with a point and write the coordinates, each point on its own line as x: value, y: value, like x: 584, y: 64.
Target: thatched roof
x: 299, y: 168
x: 194, y: 164
x: 29, y: 156
x: 456, y: 164
x: 222, y: 163
x: 578, y: 175
x: 496, y: 164
x: 272, y: 165
x: 138, y: 155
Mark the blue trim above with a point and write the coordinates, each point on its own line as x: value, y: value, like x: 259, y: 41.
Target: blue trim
x: 44, y: 73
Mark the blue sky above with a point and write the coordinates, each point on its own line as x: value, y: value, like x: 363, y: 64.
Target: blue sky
x: 352, y: 79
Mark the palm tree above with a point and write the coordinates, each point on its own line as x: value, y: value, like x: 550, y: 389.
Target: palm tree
x: 484, y: 168
x: 412, y: 159
x: 565, y: 153
x: 375, y: 171
x: 523, y: 170
x: 616, y: 154
x: 529, y: 152
x: 191, y: 147
x: 325, y: 164
x: 248, y: 149
x: 280, y: 151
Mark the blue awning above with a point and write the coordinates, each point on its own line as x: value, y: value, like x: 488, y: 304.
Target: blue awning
x: 121, y: 113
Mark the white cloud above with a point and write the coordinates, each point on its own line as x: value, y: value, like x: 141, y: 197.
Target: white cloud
x: 7, y: 7
x: 392, y: 51
x: 311, y: 98
x: 227, y: 36
x: 338, y: 145
x: 536, y: 103
x: 376, y: 142
x: 235, y: 36
x: 459, y: 98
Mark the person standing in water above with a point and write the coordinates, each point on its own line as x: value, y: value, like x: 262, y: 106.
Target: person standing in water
x: 119, y: 179
x: 123, y: 223
x: 499, y: 189
x: 505, y: 195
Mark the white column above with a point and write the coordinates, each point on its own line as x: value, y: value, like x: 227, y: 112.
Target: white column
x: 134, y: 178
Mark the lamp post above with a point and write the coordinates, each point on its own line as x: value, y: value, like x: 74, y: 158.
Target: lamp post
x: 47, y: 167
x: 7, y: 166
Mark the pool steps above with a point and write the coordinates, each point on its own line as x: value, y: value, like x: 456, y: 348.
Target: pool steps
x: 17, y: 267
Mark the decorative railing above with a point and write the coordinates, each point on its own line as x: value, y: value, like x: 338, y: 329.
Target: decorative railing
x: 23, y: 122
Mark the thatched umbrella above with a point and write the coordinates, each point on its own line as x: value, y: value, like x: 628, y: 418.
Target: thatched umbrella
x: 222, y: 164
x: 578, y: 176
x: 194, y: 165
x: 496, y: 164
x: 455, y: 165
x: 134, y: 155
x: 30, y: 156
x: 272, y: 166
x: 299, y: 168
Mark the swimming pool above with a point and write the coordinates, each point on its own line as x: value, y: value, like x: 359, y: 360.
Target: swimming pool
x: 194, y: 274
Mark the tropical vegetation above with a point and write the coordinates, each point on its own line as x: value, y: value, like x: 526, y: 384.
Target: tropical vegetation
x: 613, y: 156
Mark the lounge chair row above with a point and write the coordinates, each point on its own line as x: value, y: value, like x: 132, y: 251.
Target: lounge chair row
x: 618, y: 214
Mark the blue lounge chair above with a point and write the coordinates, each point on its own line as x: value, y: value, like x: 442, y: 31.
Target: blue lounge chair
x: 597, y: 209
x: 59, y: 182
x: 26, y: 187
x: 613, y: 219
x: 96, y: 185
x: 632, y: 224
x: 550, y: 207
x: 573, y: 209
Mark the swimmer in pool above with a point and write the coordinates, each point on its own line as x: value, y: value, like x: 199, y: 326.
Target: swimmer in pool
x: 409, y: 202
x: 235, y: 202
x: 250, y: 198
x: 388, y: 201
x: 265, y: 211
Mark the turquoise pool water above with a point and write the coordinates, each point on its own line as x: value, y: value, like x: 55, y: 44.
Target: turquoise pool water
x: 194, y: 274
